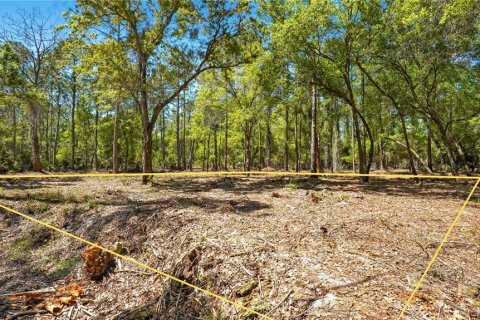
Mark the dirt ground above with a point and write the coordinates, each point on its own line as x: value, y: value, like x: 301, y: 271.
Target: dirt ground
x: 291, y: 248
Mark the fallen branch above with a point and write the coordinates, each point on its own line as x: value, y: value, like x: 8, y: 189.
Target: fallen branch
x: 26, y: 313
x: 240, y: 254
x: 241, y: 266
x: 423, y: 248
x: 85, y: 310
x: 233, y: 262
x: 281, y: 302
x: 437, y: 243
x: 70, y: 313
x: 34, y: 292
x: 260, y: 287
x: 136, y: 272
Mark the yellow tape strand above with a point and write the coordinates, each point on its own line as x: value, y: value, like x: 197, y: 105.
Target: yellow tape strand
x: 230, y: 173
x: 141, y: 264
x: 437, y: 252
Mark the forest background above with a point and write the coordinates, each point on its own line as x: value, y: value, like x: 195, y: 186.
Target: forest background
x: 322, y: 85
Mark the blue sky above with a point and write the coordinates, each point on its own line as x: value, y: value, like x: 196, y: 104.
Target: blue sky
x: 56, y: 7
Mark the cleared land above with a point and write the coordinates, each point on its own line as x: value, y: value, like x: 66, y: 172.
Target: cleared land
x: 291, y: 248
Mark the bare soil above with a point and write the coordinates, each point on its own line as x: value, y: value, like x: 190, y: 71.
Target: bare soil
x: 290, y: 248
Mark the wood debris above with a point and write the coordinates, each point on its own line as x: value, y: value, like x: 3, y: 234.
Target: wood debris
x: 52, y: 300
x: 96, y: 262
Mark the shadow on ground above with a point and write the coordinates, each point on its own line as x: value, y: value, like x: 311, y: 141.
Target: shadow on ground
x: 426, y: 188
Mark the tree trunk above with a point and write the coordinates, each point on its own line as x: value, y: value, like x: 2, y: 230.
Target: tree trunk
x: 353, y: 145
x: 371, y: 148
x: 22, y: 139
x: 95, y: 154
x: 147, y: 125
x: 364, y: 143
x: 259, y: 147
x: 335, y: 144
x: 446, y: 141
x: 429, y: 146
x: 126, y: 137
x: 147, y: 154
x: 86, y: 126
x: 204, y: 154
x: 127, y: 155
x: 116, y: 127
x: 364, y: 138
x: 52, y: 134
x: 14, y: 133
x: 415, y: 154
x: 184, y: 131
x: 247, y: 146
x: 381, y: 151
x: 363, y: 164
x: 57, y: 132
x: 245, y: 153
x: 358, y: 138
x: 215, y: 150
x: 317, y: 147
x: 297, y: 150
x: 225, y: 159
x: 208, y: 152
x: 47, y: 135
x: 250, y: 150
x: 162, y: 138
x: 300, y: 144
x: 190, y: 154
x: 448, y: 149
x: 268, y: 140
x: 177, y: 135
x: 313, y: 131
x: 407, y: 144
x: 35, y: 141
x: 72, y: 125
x: 286, y: 151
